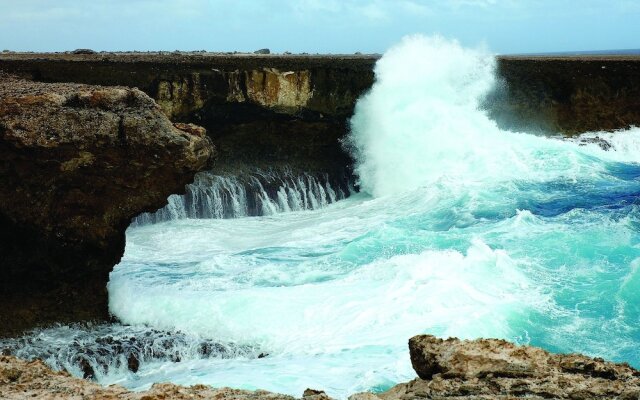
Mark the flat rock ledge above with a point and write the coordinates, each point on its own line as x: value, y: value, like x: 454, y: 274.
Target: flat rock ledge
x: 77, y: 162
x: 447, y: 369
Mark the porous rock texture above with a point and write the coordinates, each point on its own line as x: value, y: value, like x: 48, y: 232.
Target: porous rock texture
x: 481, y: 369
x: 77, y: 162
x: 496, y: 369
x: 21, y: 379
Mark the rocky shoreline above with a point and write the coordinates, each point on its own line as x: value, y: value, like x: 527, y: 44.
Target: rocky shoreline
x: 447, y: 369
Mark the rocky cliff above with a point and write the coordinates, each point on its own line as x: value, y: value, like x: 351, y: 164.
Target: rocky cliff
x: 483, y: 369
x: 568, y: 95
x: 77, y: 162
x: 261, y: 111
x: 267, y: 111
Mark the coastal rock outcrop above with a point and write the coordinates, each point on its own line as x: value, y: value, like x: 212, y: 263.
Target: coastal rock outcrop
x: 262, y: 111
x: 21, y: 379
x: 496, y: 369
x: 77, y: 162
x: 567, y: 94
x: 482, y: 369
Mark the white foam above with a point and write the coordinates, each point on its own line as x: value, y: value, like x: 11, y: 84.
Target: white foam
x: 421, y: 124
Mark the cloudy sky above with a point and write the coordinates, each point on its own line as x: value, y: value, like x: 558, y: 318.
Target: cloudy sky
x: 324, y: 26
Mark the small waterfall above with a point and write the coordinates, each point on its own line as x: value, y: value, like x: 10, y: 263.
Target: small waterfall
x: 96, y: 351
x: 259, y: 193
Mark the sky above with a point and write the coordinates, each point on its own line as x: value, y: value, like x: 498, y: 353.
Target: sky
x: 316, y: 26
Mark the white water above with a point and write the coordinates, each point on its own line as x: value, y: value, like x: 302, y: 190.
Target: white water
x: 258, y: 193
x: 463, y: 230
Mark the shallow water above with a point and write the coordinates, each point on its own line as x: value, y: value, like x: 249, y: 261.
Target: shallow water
x: 461, y: 230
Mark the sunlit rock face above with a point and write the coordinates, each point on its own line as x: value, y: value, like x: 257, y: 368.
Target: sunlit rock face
x: 78, y: 162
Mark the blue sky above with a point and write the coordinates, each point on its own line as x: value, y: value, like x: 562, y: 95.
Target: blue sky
x: 316, y: 26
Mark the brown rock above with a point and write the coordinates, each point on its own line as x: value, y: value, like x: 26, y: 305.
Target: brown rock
x: 77, y: 162
x: 480, y: 369
x: 21, y: 379
x: 497, y: 369
x: 313, y: 394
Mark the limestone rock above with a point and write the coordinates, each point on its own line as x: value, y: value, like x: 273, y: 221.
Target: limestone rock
x: 21, y: 379
x: 77, y: 162
x: 497, y: 369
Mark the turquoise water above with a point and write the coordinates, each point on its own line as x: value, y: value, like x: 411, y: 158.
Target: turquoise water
x: 461, y: 229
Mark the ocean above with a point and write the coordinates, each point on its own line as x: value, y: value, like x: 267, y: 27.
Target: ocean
x: 458, y: 229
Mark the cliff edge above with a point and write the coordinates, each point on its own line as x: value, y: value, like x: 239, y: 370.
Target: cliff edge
x: 77, y: 162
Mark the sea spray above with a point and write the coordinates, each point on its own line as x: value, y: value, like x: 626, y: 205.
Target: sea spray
x: 422, y: 124
x: 421, y: 114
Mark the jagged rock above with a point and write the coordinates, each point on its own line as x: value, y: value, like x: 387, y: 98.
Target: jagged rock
x: 602, y: 143
x: 497, y: 369
x: 483, y: 369
x: 77, y: 162
x: 98, y: 349
x: 21, y: 379
x: 313, y: 394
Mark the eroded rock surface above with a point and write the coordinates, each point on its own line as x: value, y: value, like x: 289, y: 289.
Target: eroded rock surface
x: 262, y: 111
x: 497, y: 369
x: 447, y: 369
x: 21, y: 379
x: 77, y: 162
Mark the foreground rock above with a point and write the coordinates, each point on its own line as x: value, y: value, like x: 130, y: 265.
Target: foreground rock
x: 447, y: 369
x: 497, y: 369
x: 77, y: 162
x: 21, y: 379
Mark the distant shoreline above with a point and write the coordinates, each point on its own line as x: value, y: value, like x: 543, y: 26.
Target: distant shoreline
x: 198, y: 56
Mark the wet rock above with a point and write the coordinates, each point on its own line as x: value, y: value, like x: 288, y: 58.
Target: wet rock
x: 483, y: 369
x: 101, y: 348
x: 312, y: 394
x: 78, y: 162
x: 133, y: 364
x: 21, y: 379
x: 86, y: 368
x: 602, y: 143
x: 83, y: 51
